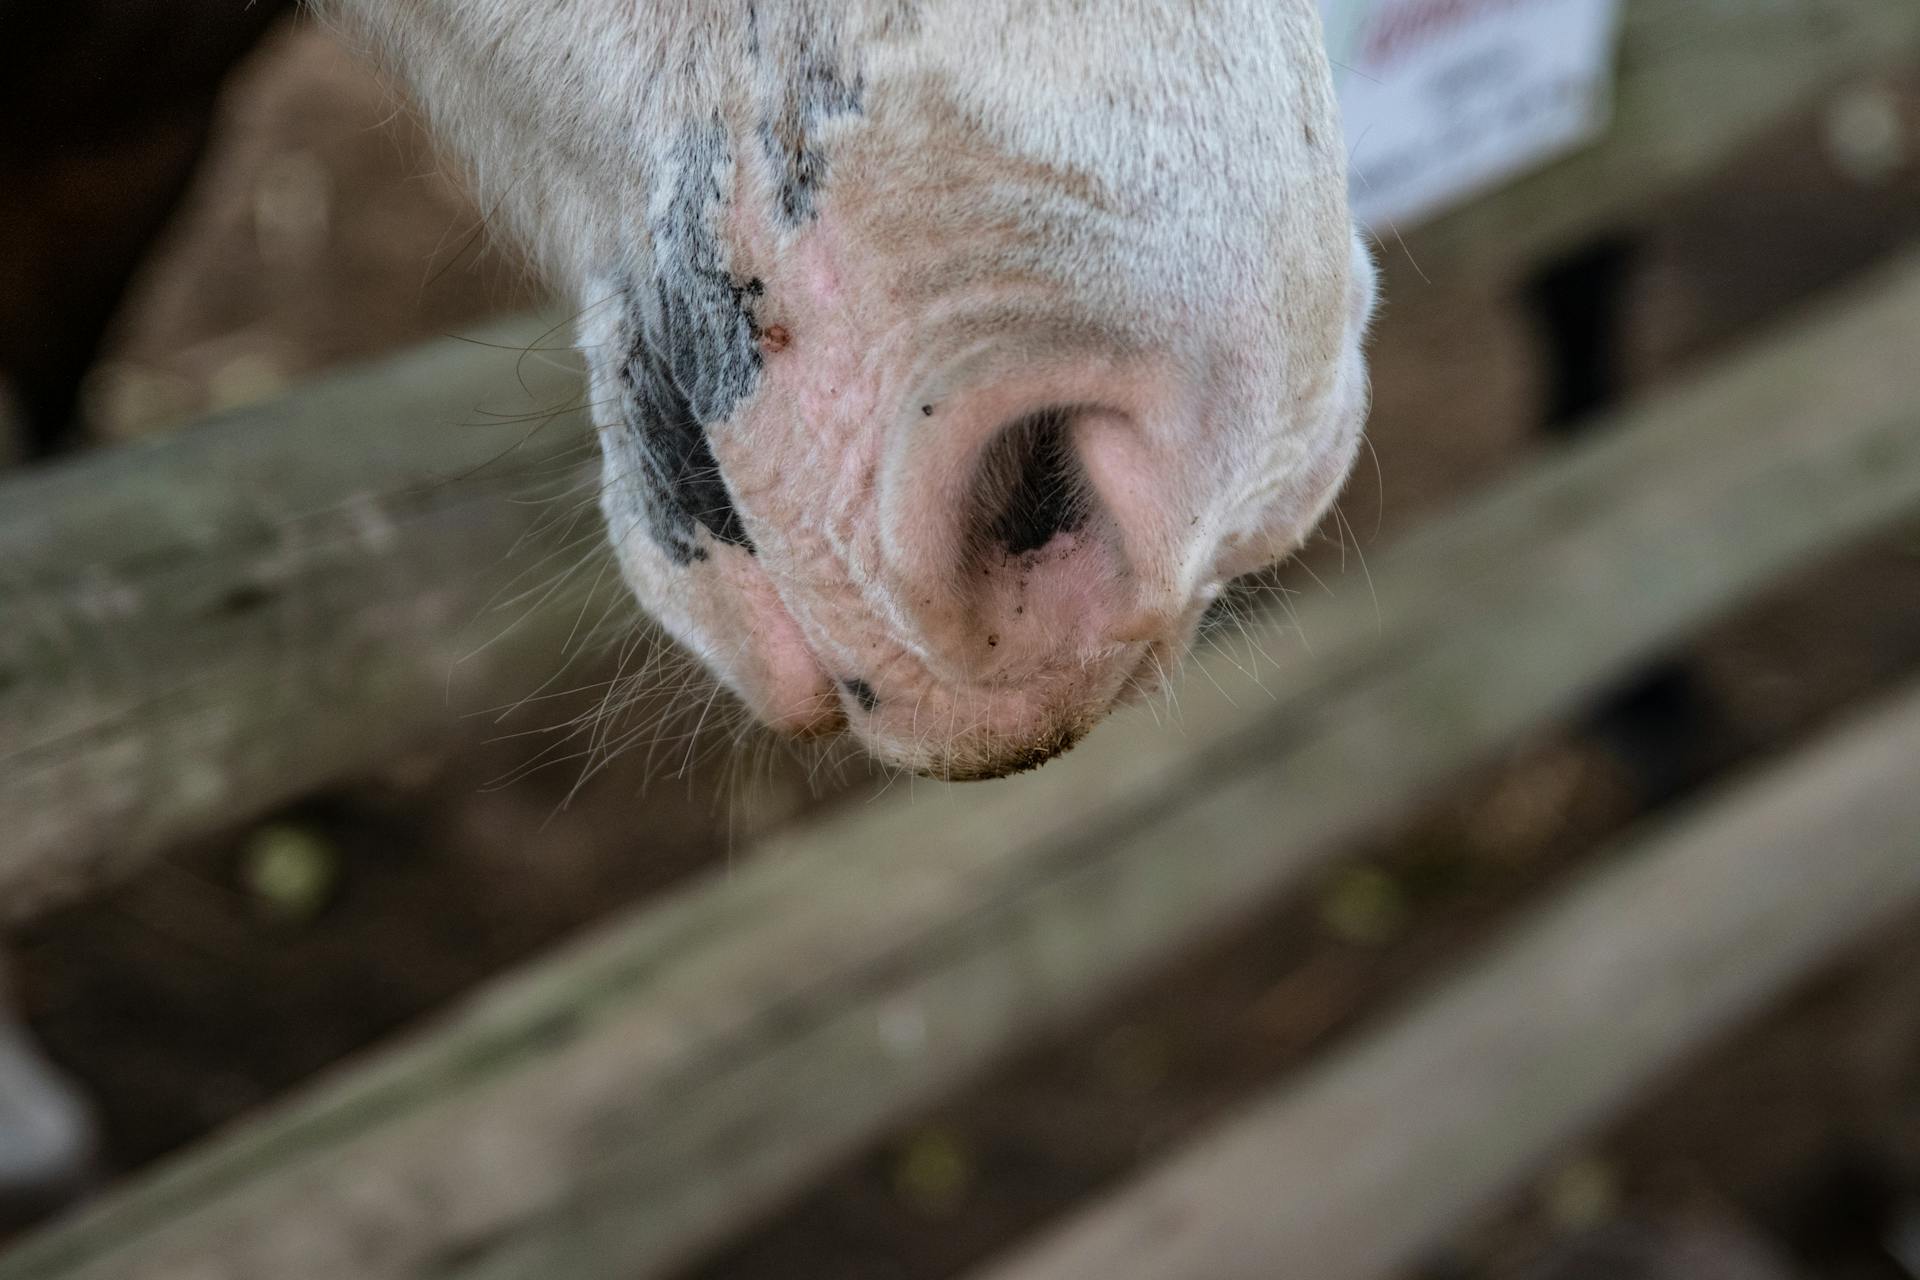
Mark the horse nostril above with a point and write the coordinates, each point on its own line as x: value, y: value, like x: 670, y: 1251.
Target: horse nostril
x: 1030, y: 484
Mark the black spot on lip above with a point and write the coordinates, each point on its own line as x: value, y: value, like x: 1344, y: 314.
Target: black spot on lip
x: 862, y: 694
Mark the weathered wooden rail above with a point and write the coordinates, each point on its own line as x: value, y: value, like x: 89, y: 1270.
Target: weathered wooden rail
x: 1352, y: 1171
x: 613, y: 1110
x: 196, y: 630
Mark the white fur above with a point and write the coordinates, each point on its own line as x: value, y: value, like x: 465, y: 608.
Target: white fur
x: 1128, y: 205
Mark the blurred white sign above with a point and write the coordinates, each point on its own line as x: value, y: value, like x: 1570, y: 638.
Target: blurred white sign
x: 1444, y: 98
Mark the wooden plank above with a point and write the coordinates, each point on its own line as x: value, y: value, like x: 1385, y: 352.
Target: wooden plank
x: 1353, y: 1170
x: 1696, y: 82
x: 196, y: 628
x: 614, y: 1109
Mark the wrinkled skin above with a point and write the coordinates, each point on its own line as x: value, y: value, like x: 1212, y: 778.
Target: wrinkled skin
x: 948, y: 356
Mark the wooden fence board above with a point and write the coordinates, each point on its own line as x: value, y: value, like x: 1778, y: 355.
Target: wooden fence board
x: 1350, y: 1171
x: 196, y: 628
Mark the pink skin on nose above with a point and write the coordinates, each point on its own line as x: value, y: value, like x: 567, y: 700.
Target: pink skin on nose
x: 876, y: 600
x: 775, y: 672
x: 799, y: 697
x: 979, y: 659
x: 1093, y: 583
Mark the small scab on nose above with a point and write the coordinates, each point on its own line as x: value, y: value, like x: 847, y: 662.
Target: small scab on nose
x: 862, y: 694
x: 926, y: 410
x: 775, y: 338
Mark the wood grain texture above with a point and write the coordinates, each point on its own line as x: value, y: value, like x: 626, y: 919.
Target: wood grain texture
x: 197, y: 628
x: 1352, y: 1170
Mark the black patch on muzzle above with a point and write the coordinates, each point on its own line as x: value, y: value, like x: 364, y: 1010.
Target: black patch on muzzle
x: 815, y: 92
x: 691, y: 356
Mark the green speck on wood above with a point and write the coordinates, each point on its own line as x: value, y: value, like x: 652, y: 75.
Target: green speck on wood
x: 291, y: 871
